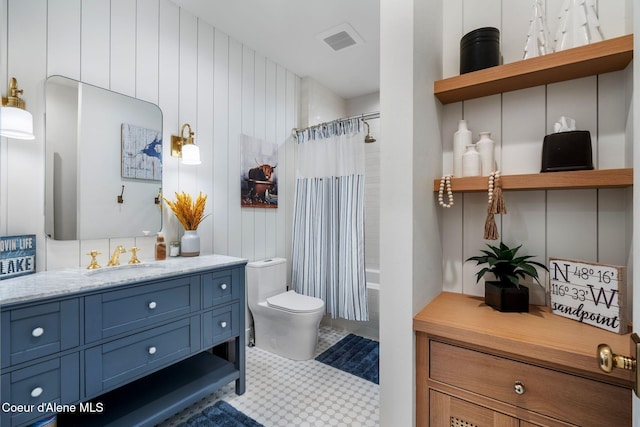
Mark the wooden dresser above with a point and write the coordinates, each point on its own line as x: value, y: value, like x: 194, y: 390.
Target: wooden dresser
x: 479, y: 367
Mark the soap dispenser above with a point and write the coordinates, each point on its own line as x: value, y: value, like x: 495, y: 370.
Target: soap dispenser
x: 161, y: 248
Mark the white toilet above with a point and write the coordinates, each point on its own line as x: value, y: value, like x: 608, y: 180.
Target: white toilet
x: 285, y: 323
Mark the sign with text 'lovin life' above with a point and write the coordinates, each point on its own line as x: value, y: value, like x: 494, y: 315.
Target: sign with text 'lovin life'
x: 17, y: 255
x: 589, y: 293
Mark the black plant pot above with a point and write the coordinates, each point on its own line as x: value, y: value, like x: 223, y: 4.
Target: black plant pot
x: 506, y: 296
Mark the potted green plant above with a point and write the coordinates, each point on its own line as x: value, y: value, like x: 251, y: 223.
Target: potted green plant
x: 505, y: 293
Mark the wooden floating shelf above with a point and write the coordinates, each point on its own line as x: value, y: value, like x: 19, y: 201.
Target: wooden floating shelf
x: 605, y: 178
x: 596, y: 58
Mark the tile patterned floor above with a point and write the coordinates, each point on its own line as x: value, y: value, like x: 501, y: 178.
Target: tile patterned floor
x: 283, y: 392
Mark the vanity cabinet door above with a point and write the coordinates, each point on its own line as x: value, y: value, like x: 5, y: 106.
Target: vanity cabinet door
x: 39, y: 330
x: 221, y: 324
x: 55, y: 381
x: 115, y: 312
x: 123, y: 360
x: 221, y: 287
x: 446, y: 410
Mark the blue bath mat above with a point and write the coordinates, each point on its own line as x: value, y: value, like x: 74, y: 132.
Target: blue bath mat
x: 356, y: 355
x: 220, y: 414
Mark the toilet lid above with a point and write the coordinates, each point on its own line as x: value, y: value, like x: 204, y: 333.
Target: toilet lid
x: 294, y: 302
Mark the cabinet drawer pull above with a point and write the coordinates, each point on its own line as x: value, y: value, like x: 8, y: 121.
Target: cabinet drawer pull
x: 223, y: 286
x: 519, y: 387
x: 223, y: 324
x: 36, y: 392
x: 152, y: 350
x: 152, y: 305
x: 37, y: 332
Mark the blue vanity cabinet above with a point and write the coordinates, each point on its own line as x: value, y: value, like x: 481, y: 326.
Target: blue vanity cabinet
x: 39, y: 330
x: 221, y: 324
x: 53, y: 380
x: 224, y: 302
x: 222, y: 287
x: 133, y: 352
x: 39, y: 357
x: 118, y: 362
x: 124, y: 310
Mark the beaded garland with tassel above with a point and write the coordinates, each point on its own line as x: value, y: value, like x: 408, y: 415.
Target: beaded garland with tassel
x: 445, y: 182
x: 495, y: 205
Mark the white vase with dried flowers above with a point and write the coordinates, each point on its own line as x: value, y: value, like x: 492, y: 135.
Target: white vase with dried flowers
x: 190, y: 214
x: 190, y: 243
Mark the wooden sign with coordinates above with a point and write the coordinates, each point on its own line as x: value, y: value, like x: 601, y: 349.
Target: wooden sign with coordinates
x: 589, y: 293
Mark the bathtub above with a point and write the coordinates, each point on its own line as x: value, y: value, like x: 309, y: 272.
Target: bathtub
x: 368, y: 329
x: 372, y: 277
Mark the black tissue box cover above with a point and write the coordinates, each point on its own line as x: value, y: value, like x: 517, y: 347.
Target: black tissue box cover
x: 567, y: 151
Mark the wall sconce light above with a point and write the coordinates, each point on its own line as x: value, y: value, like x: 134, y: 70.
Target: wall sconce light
x: 15, y: 121
x: 185, y: 147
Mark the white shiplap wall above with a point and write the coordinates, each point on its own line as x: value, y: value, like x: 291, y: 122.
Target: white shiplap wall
x: 155, y: 51
x: 589, y: 225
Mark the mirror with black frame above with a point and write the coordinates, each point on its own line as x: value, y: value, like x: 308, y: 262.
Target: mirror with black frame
x: 103, y: 163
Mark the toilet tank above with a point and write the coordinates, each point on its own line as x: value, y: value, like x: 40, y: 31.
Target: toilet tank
x: 266, y: 278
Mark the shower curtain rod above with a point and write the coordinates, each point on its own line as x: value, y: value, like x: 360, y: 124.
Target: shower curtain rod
x: 365, y: 116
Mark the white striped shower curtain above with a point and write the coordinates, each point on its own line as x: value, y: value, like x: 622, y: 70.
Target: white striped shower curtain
x: 328, y: 221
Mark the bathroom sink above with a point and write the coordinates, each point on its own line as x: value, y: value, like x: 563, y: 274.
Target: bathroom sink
x: 124, y: 269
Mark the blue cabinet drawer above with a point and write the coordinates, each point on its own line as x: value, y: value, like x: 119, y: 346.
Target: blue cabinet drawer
x: 221, y: 287
x: 221, y: 324
x: 55, y: 381
x: 39, y: 330
x: 118, y: 362
x: 115, y: 312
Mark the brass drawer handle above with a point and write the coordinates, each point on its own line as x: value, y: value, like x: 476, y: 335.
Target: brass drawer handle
x: 518, y: 387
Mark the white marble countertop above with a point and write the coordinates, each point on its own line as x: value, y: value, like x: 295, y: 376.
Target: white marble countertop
x: 53, y: 283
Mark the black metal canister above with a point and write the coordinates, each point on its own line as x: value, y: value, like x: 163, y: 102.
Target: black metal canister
x: 479, y: 49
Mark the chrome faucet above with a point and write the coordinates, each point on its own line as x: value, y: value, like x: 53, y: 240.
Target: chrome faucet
x: 115, y: 258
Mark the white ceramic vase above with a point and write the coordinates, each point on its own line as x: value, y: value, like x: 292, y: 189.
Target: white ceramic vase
x: 190, y: 243
x: 471, y: 161
x: 461, y: 138
x: 485, y: 146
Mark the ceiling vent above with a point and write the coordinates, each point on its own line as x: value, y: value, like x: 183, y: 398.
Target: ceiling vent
x: 340, y: 37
